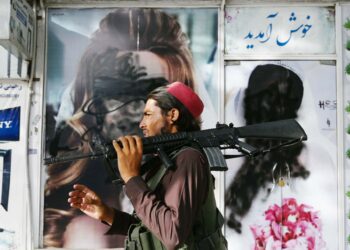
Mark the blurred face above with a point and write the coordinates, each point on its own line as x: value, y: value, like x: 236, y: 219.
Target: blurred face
x: 153, y: 121
x: 126, y: 120
x: 123, y: 121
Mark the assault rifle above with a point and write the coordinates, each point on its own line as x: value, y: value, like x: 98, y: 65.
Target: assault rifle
x: 211, y: 141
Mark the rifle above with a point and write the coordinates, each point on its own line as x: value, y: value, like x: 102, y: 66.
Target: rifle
x: 211, y: 141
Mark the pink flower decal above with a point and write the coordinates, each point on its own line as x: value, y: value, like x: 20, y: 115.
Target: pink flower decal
x: 292, y: 227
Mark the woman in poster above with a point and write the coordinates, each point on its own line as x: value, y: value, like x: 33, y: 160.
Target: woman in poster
x: 132, y: 52
x: 302, y: 176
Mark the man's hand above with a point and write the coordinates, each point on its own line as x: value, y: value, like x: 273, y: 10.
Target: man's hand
x: 129, y: 156
x: 89, y: 203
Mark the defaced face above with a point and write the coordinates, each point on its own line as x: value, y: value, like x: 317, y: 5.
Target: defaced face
x: 126, y: 120
x: 153, y: 121
x: 123, y: 121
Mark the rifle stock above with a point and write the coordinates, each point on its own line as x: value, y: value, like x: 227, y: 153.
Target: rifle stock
x: 283, y: 129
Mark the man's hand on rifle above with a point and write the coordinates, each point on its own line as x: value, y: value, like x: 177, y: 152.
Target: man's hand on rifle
x: 129, y: 156
x: 90, y: 203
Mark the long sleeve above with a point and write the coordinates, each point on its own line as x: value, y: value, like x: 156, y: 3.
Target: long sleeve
x: 169, y: 211
x: 121, y: 223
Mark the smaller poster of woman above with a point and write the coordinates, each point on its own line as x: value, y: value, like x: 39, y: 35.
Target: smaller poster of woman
x: 286, y: 198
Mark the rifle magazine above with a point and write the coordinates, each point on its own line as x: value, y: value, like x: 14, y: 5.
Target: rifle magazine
x: 215, y: 159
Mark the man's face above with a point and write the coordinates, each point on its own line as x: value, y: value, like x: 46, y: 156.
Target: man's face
x: 153, y: 121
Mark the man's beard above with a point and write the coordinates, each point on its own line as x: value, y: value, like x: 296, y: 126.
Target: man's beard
x: 165, y: 129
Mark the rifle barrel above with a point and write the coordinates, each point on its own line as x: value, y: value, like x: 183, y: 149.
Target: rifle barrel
x: 71, y: 157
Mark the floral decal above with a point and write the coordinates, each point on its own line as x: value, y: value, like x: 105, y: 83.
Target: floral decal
x: 292, y: 227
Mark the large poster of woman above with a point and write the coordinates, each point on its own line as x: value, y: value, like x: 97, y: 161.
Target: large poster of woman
x: 101, y: 63
x: 286, y: 199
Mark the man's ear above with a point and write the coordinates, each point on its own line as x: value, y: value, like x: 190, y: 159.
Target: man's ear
x: 173, y: 115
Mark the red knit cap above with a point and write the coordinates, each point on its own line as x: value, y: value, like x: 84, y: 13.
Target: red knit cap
x: 187, y: 97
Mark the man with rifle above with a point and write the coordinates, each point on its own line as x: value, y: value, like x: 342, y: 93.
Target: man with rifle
x: 174, y: 207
